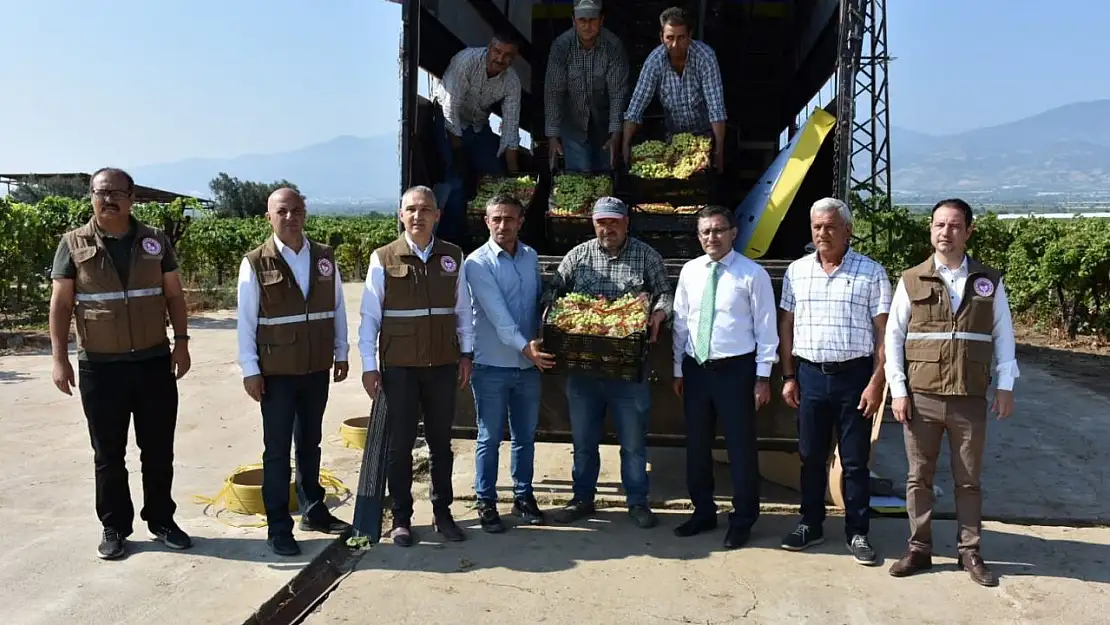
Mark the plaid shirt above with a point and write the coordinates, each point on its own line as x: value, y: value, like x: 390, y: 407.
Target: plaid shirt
x: 636, y: 268
x: 834, y: 313
x: 466, y: 94
x: 584, y: 85
x: 692, y: 101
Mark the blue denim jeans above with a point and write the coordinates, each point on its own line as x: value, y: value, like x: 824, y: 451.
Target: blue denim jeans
x: 829, y: 403
x: 480, y: 151
x: 505, y: 394
x: 629, y: 403
x: 581, y: 156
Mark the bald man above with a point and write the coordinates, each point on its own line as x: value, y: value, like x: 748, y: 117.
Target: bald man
x: 292, y: 334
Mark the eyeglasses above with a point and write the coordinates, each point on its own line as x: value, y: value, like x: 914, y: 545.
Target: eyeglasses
x: 114, y: 194
x: 713, y: 231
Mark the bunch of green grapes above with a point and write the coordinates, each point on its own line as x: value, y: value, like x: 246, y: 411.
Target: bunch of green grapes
x: 656, y: 150
x: 690, y: 164
x: 687, y: 143
x: 650, y: 170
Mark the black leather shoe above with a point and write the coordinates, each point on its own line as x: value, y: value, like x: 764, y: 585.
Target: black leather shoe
x: 575, y: 510
x: 446, y: 526
x: 489, y: 517
x: 528, y: 510
x: 322, y: 520
x: 401, y: 536
x: 696, y: 525
x: 737, y: 537
x: 284, y: 545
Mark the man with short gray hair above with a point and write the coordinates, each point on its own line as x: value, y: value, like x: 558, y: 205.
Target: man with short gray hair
x: 835, y: 303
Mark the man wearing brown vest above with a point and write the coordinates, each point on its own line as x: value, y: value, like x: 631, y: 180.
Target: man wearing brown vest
x: 949, y: 316
x: 416, y: 340
x: 292, y: 329
x: 118, y: 278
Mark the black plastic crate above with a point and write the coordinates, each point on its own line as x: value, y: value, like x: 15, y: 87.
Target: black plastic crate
x: 567, y: 232
x: 600, y: 356
x: 671, y: 244
x: 699, y: 188
x: 682, y: 223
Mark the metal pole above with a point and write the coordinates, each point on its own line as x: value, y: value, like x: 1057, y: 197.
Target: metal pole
x: 410, y: 72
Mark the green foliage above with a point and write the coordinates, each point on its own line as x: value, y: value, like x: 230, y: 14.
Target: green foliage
x: 243, y: 198
x: 38, y: 189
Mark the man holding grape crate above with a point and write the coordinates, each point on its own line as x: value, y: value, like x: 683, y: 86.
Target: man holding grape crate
x: 724, y: 347
x: 584, y: 92
x: 687, y: 77
x: 612, y: 265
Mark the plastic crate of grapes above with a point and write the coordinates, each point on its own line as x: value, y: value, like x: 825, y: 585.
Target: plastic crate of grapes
x: 677, y: 171
x: 598, y: 337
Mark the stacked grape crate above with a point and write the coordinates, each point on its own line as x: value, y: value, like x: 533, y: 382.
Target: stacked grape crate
x: 569, y: 206
x: 667, y: 184
x: 523, y: 188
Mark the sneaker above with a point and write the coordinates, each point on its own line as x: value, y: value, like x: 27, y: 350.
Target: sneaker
x: 803, y: 537
x: 861, y: 550
x: 170, y: 535
x: 489, y: 517
x: 112, y: 545
x: 528, y: 510
x: 642, y: 516
x: 284, y: 545
x: 574, y: 511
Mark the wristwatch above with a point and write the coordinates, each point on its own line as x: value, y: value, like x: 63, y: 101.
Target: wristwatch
x: 180, y: 337
x: 788, y: 376
x: 469, y: 355
x: 762, y: 378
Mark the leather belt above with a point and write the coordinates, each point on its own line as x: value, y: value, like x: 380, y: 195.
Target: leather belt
x: 833, y: 368
x: 719, y: 363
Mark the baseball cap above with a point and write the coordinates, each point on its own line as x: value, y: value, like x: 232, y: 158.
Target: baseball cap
x: 587, y: 8
x: 609, y: 207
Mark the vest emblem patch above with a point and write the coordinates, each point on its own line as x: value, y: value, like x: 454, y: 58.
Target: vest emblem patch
x: 449, y: 265
x: 324, y: 266
x: 984, y: 287
x: 152, y: 246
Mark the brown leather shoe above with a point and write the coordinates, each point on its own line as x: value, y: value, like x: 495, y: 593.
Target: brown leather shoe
x: 911, y: 563
x: 973, y: 563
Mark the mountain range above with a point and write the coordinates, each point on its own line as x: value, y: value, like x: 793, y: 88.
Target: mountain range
x: 1066, y: 149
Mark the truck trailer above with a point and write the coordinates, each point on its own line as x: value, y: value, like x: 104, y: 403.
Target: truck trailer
x: 774, y: 55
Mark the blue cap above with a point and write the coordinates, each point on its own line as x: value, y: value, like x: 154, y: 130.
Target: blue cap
x: 608, y: 207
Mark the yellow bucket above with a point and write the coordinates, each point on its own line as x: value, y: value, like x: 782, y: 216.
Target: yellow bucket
x: 353, y: 432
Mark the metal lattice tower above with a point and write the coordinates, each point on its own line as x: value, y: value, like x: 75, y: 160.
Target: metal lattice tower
x: 862, y: 162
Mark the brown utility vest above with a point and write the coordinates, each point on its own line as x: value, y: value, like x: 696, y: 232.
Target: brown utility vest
x: 950, y: 354
x: 418, y: 311
x: 295, y: 335
x: 112, y: 318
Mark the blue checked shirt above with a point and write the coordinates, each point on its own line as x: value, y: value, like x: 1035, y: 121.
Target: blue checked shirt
x: 834, y: 314
x: 505, y: 291
x: 692, y: 101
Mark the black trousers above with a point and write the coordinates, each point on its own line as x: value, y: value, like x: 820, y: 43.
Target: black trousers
x: 722, y: 391
x: 411, y: 392
x: 111, y: 392
x: 292, y: 410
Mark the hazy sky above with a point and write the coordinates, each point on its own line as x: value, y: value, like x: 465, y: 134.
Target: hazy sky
x: 133, y: 82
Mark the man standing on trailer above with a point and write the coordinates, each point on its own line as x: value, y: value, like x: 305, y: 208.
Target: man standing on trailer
x: 687, y: 78
x: 585, y: 91
x: 292, y: 331
x: 475, y: 80
x: 948, y: 318
x: 611, y: 265
x: 119, y: 278
x: 725, y: 339
x: 835, y: 303
x: 505, y: 284
x: 417, y: 342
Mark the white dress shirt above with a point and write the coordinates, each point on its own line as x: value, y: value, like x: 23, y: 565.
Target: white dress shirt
x: 955, y: 280
x: 745, y: 318
x: 374, y: 294
x: 250, y: 292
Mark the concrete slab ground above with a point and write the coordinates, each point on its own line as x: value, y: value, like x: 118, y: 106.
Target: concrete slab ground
x: 608, y: 571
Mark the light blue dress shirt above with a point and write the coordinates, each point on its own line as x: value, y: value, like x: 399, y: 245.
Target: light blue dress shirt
x: 505, y: 291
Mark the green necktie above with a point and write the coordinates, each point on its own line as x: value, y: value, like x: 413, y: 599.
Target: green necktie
x: 705, y: 319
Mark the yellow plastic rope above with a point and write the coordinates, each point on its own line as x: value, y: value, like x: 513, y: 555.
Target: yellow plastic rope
x: 246, y: 499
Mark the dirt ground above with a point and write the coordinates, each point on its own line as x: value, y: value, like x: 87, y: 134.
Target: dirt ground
x: 1049, y: 461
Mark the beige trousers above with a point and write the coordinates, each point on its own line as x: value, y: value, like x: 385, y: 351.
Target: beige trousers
x: 964, y: 418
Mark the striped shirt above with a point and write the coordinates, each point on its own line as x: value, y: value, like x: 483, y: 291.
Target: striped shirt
x: 692, y: 101
x: 636, y: 268
x: 584, y: 85
x: 834, y: 313
x: 466, y: 94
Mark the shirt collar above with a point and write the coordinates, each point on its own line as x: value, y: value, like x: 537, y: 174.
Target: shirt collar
x: 848, y: 254
x: 281, y: 247
x: 417, y: 250
x: 939, y: 266
x: 726, y: 261
x: 498, y: 250
x: 620, y: 250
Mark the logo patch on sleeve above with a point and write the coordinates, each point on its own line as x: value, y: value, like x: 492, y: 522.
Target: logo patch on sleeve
x: 325, y: 267
x: 449, y: 265
x: 984, y: 287
x: 152, y: 246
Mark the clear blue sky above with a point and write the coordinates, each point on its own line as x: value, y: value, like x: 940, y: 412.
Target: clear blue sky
x: 133, y: 82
